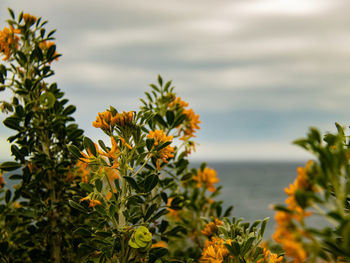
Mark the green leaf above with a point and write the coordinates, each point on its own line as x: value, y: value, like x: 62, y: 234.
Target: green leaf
x: 150, y: 182
x: 50, y: 52
x: 170, y: 116
x: 159, y: 119
x: 167, y: 85
x: 22, y: 57
x: 16, y: 177
x: 69, y: 110
x: 301, y: 198
x: 98, y: 184
x: 82, y: 231
x: 186, y: 177
x: 12, y: 14
x: 159, y: 214
x: 175, y: 230
x: 12, y: 123
x: 149, y: 144
x: 150, y: 211
x: 86, y: 187
x: 160, y: 80
x: 179, y: 120
x: 164, y: 196
x: 89, y: 145
x: 16, y: 152
x: 7, y: 196
x: 263, y: 226
x: 74, y: 150
x: 20, y: 17
x: 162, y: 146
x: 154, y: 87
x: 176, y: 203
x: 131, y: 181
x: 51, y: 33
x: 9, y: 166
x: 77, y: 206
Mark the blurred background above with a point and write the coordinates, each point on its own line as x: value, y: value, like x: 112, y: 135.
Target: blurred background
x: 259, y: 73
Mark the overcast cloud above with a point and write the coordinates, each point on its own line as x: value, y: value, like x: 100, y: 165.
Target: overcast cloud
x: 259, y: 72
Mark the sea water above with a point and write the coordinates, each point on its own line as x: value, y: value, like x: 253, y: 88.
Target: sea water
x: 252, y: 187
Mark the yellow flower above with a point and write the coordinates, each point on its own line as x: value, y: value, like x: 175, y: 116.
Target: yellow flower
x: 206, y: 177
x: 106, y: 120
x: 159, y: 138
x: 178, y: 101
x: 122, y: 119
x: 8, y: 41
x: 44, y: 45
x: 214, y: 251
x: 191, y: 125
x: 103, y: 120
x: 29, y: 19
x: 211, y: 228
x: 269, y: 257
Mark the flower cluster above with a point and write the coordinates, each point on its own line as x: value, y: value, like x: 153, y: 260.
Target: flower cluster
x: 8, y: 40
x: 29, y: 19
x: 214, y: 250
x: 107, y: 119
x: 192, y: 120
x: 160, y: 138
x: 206, y: 177
x: 211, y: 228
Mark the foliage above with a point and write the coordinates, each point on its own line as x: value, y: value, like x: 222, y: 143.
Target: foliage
x: 36, y: 220
x: 321, y: 191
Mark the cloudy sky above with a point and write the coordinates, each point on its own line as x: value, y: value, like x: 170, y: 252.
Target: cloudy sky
x: 259, y: 72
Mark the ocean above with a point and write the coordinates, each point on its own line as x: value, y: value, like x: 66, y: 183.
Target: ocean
x: 251, y: 187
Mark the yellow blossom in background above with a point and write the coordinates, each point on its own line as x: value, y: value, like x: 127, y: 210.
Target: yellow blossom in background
x: 159, y: 138
x: 8, y: 40
x: 178, y: 101
x: 287, y: 233
x: 207, y: 177
x: 211, y: 228
x: 159, y: 244
x: 92, y: 203
x: 2, y: 181
x: 172, y: 212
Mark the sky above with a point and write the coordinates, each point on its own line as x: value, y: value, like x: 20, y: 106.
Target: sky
x: 259, y: 72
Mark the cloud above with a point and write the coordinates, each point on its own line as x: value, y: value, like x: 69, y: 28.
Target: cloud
x: 281, y: 65
x: 258, y: 151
